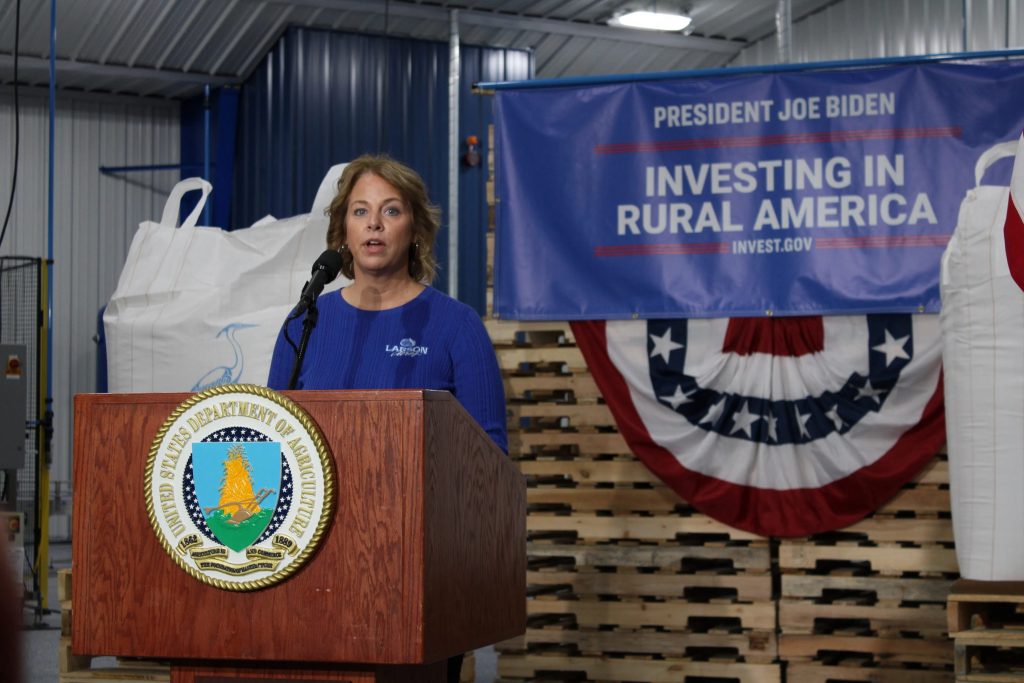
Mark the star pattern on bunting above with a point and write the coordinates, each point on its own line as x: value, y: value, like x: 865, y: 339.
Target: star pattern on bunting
x: 893, y: 348
x: 769, y: 420
x: 714, y: 412
x: 664, y: 345
x: 677, y: 399
x: 802, y: 420
x: 773, y: 434
x: 743, y: 420
x: 868, y: 391
x: 833, y: 415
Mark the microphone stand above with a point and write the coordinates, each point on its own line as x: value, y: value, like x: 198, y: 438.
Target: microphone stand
x: 307, y: 329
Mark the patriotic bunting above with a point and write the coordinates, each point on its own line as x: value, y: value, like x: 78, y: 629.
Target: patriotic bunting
x: 782, y: 427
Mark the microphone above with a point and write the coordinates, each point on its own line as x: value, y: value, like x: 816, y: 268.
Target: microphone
x: 325, y: 269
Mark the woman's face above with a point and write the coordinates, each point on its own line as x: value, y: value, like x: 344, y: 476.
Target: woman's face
x: 378, y: 228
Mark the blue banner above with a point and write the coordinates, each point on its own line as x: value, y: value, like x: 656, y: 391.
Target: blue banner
x: 784, y: 194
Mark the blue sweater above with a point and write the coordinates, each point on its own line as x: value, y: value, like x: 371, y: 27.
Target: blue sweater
x: 432, y: 342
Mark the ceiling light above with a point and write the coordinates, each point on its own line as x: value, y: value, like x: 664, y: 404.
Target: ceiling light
x: 651, y: 21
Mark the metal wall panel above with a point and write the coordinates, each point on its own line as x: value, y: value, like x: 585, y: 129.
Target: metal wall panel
x: 321, y: 97
x: 857, y: 29
x: 95, y: 215
x: 476, y: 114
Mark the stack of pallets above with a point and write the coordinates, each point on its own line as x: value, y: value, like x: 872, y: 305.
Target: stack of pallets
x: 867, y: 603
x: 986, y: 622
x: 626, y: 581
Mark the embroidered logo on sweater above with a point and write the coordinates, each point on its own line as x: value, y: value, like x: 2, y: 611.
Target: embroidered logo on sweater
x: 406, y: 347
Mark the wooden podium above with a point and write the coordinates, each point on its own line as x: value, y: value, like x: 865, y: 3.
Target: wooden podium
x: 425, y: 556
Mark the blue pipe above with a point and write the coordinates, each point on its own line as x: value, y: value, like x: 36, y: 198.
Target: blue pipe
x: 206, y: 148
x: 49, y: 206
x: 743, y: 70
x: 108, y: 170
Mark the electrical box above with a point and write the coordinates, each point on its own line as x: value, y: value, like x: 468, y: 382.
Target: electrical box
x: 12, y: 526
x: 13, y: 394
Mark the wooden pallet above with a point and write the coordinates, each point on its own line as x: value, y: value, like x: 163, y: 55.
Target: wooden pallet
x: 687, y: 559
x: 627, y: 470
x: 621, y: 582
x: 817, y: 673
x: 640, y: 527
x: 522, y: 333
x: 749, y: 646
x: 669, y: 615
x: 552, y: 389
x: 553, y: 360
x: 986, y: 622
x: 868, y: 620
x: 554, y: 443
x: 869, y: 651
x: 854, y: 560
x: 539, y: 416
x: 668, y: 670
x: 926, y: 495
x: 867, y: 602
x: 831, y: 588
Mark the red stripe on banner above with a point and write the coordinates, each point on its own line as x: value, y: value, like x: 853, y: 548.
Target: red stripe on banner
x: 1013, y: 233
x: 795, y: 336
x: 781, y: 139
x: 881, y: 242
x: 661, y: 249
x: 796, y: 512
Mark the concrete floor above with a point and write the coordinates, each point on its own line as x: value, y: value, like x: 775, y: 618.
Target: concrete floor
x: 41, y: 636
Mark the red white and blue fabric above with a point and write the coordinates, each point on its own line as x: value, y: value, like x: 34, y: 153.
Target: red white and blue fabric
x: 779, y: 426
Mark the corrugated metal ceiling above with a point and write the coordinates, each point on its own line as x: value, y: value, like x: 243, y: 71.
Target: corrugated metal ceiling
x: 171, y: 48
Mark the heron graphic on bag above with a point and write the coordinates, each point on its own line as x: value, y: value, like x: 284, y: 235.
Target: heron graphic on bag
x: 225, y: 374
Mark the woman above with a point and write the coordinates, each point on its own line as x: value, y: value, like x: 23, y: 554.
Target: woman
x: 389, y: 329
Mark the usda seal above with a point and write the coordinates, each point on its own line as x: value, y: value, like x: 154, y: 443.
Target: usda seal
x: 239, y: 486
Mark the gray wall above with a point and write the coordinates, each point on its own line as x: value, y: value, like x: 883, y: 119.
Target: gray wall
x: 856, y: 29
x: 95, y: 216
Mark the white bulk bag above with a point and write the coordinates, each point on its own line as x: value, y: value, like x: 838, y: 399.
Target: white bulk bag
x: 197, y: 307
x: 983, y: 357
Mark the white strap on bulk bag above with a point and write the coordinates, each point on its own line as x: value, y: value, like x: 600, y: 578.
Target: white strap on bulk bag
x: 173, y: 205
x: 991, y: 156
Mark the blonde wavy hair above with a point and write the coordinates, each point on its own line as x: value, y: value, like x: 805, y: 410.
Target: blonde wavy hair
x: 426, y: 217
